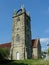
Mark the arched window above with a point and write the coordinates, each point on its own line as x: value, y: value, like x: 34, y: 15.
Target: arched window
x: 17, y: 38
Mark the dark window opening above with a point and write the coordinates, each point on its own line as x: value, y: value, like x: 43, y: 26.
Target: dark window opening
x: 17, y: 38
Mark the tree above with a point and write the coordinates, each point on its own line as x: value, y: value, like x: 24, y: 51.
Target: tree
x: 48, y: 51
x: 4, y: 53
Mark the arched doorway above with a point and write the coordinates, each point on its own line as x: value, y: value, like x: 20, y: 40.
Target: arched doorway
x: 17, y: 55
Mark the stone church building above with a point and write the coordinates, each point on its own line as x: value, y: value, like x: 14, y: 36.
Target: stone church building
x: 22, y: 47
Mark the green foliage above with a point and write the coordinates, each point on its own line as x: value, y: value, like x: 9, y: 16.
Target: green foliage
x: 48, y: 51
x: 27, y: 62
x: 4, y: 53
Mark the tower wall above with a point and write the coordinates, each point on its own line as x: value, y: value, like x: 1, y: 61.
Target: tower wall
x: 21, y: 36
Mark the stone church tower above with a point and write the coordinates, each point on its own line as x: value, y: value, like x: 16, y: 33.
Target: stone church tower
x: 21, y: 46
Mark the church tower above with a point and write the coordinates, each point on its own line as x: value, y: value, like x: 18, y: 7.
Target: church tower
x: 21, y: 46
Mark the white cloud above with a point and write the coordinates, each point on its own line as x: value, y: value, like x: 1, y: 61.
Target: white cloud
x: 44, y: 49
x: 44, y: 39
x: 44, y: 42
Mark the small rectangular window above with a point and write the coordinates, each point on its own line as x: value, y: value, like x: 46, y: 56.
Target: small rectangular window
x: 18, y: 19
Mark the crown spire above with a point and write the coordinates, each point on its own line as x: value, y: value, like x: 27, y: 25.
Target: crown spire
x: 23, y: 8
x: 15, y: 13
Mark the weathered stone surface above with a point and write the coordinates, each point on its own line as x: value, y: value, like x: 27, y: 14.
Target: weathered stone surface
x: 21, y: 47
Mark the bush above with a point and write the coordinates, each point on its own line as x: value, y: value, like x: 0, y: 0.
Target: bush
x: 4, y: 53
x: 48, y: 51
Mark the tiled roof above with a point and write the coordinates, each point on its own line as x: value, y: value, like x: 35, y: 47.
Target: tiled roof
x: 8, y: 45
x: 5, y: 45
x: 34, y: 43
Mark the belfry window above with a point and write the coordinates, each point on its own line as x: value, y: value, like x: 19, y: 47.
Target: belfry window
x: 17, y: 38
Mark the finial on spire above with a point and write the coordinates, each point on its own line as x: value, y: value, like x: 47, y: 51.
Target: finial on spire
x: 23, y: 8
x: 15, y: 13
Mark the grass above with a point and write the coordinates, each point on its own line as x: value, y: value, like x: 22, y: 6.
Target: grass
x: 26, y: 62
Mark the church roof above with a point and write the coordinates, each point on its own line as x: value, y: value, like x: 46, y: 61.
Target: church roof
x: 35, y: 43
x: 8, y: 45
x: 5, y: 45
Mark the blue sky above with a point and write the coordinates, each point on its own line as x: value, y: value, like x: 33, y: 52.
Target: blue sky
x: 39, y: 13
